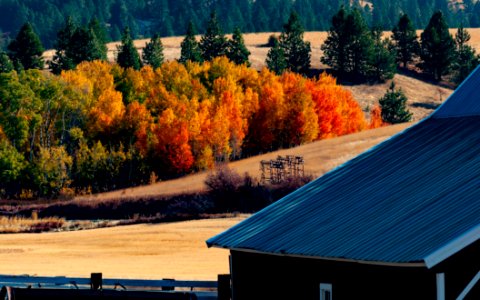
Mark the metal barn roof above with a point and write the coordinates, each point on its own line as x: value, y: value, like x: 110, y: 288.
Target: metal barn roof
x: 413, y: 199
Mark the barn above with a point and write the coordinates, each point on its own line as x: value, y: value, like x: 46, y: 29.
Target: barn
x: 400, y: 221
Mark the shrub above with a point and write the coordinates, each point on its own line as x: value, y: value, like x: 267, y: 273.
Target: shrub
x: 223, y: 181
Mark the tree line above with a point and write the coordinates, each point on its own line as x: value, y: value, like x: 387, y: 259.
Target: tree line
x: 169, y: 17
x: 352, y: 50
x: 101, y: 127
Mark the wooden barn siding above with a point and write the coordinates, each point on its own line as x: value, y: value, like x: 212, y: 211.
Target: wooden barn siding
x: 299, y: 278
x: 261, y: 276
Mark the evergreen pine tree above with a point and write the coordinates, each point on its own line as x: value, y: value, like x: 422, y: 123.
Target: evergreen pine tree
x: 85, y: 47
x: 276, y: 61
x: 190, y: 50
x: 213, y: 43
x: 153, y: 52
x: 437, y: 47
x: 26, y: 49
x: 359, y: 46
x: 466, y: 60
x: 348, y: 47
x: 382, y: 59
x: 297, y: 52
x: 6, y: 64
x: 237, y: 51
x: 61, y: 60
x: 127, y: 53
x: 100, y: 35
x: 99, y: 30
x: 394, y: 106
x: 334, y: 48
x: 406, y: 40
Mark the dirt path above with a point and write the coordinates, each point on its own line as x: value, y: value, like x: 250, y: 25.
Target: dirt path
x: 175, y: 250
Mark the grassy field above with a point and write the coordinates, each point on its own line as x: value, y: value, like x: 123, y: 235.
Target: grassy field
x: 174, y: 250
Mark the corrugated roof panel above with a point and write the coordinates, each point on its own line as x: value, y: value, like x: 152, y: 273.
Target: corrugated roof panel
x: 465, y: 101
x: 397, y: 203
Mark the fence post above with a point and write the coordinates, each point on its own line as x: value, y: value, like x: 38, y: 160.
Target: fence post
x: 96, y: 281
x: 168, y: 288
x: 224, y: 287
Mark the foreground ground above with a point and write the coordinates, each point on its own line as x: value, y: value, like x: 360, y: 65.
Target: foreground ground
x: 175, y: 250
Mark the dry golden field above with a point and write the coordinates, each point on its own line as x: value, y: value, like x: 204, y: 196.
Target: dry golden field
x: 174, y: 250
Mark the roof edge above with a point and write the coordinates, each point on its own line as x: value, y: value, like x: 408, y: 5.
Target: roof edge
x: 438, y: 113
x: 452, y: 247
x: 358, y: 261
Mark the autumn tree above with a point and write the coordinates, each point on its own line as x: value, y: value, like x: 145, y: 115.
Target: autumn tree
x: 190, y: 49
x: 153, y: 52
x: 394, y: 106
x: 437, y: 47
x: 297, y: 51
x: 276, y: 61
x: 405, y: 40
x: 26, y: 49
x: 19, y: 110
x: 12, y: 168
x: 127, y: 56
x: 376, y: 120
x: 51, y: 171
x: 100, y: 127
x: 213, y: 43
x: 237, y: 51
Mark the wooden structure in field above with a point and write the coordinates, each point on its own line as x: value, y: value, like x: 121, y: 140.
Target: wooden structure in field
x: 277, y: 170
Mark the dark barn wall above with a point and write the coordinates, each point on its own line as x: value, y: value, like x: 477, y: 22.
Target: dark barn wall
x: 261, y: 276
x: 459, y: 271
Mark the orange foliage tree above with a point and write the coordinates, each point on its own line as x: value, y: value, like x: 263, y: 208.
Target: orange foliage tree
x: 180, y: 118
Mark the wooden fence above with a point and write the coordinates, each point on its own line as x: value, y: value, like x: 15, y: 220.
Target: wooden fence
x: 202, y: 289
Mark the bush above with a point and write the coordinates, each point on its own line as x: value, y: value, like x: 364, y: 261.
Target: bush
x: 229, y: 191
x: 223, y: 181
x: 223, y: 184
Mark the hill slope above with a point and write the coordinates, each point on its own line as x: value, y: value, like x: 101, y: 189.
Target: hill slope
x: 320, y: 157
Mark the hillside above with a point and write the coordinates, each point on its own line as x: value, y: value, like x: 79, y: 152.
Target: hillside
x: 320, y: 157
x: 169, y: 17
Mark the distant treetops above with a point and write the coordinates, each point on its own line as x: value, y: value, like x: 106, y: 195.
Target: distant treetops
x: 352, y: 50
